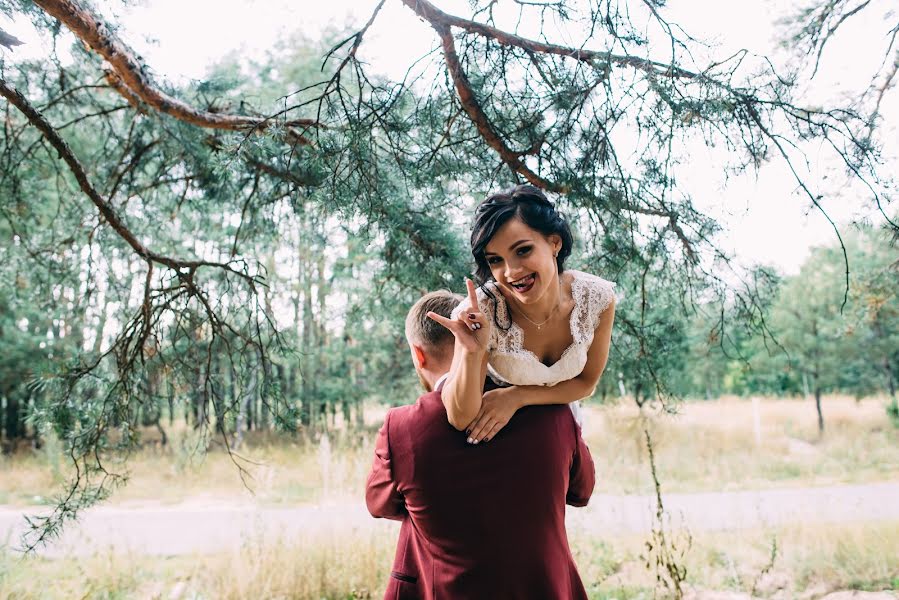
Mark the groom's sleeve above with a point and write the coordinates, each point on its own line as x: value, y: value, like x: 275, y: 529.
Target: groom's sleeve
x: 381, y: 494
x: 582, y: 478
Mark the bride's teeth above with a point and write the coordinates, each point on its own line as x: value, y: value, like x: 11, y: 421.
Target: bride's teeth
x: 524, y: 281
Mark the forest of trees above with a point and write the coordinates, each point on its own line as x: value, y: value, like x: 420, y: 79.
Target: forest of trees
x: 241, y: 253
x: 336, y: 359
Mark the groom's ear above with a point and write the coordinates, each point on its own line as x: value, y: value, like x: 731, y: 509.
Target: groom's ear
x: 419, y: 355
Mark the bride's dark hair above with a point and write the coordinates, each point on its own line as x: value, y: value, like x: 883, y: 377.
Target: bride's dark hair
x: 529, y: 204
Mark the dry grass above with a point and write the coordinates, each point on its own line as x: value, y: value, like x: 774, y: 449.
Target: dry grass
x: 809, y: 561
x: 809, y: 557
x: 282, y: 470
x: 343, y: 564
x: 712, y: 445
x: 708, y: 446
x: 349, y: 563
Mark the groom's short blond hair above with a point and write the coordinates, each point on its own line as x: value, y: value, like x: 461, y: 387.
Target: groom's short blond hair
x: 423, y: 331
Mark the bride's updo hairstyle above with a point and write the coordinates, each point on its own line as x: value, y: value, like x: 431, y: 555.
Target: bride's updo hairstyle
x: 529, y: 204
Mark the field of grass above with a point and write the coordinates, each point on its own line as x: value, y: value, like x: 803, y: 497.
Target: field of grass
x: 707, y: 446
x: 712, y: 445
x: 351, y: 564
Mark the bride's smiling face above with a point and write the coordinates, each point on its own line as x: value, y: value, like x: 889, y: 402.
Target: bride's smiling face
x: 522, y: 260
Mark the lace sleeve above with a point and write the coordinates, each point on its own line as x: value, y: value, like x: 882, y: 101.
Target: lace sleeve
x: 593, y: 295
x: 603, y: 295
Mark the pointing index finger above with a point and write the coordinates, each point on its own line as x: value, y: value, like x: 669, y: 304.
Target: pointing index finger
x: 472, y: 296
x: 441, y: 319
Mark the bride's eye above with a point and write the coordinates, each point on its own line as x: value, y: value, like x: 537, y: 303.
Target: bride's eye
x: 492, y: 260
x: 524, y: 250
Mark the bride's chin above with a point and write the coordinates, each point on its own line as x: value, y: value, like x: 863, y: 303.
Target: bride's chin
x: 527, y: 297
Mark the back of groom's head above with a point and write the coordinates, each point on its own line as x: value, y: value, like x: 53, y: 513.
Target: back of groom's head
x: 426, y: 333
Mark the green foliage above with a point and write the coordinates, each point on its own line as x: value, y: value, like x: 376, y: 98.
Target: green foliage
x: 811, y: 340
x: 893, y: 413
x: 286, y: 257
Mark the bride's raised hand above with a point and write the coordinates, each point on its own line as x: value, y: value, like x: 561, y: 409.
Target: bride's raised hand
x: 471, y: 327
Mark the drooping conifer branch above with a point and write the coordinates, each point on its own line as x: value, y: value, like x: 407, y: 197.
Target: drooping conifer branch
x: 437, y: 18
x: 97, y: 35
x: 103, y: 206
x: 477, y: 115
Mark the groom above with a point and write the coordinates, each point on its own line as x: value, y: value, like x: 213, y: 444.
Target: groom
x: 478, y: 521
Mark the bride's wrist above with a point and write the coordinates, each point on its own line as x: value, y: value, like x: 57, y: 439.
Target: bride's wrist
x: 470, y: 355
x: 513, y: 395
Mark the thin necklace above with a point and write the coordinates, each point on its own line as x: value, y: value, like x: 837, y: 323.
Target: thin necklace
x: 551, y: 313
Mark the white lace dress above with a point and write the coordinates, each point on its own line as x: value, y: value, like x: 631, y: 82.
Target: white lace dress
x: 510, y: 363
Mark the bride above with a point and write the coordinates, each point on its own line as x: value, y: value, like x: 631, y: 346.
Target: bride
x: 540, y: 332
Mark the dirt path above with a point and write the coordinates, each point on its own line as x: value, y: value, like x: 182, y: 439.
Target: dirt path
x: 201, y: 526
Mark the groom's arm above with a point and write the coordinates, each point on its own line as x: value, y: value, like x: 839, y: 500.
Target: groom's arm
x: 582, y: 476
x: 381, y: 494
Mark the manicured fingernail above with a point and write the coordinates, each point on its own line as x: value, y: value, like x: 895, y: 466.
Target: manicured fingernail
x: 470, y: 441
x: 475, y: 442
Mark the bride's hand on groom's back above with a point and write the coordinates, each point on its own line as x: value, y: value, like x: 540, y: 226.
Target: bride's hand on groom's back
x: 471, y: 327
x: 497, y: 409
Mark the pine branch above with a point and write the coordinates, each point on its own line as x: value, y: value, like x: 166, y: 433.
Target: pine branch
x: 103, y: 206
x: 94, y: 32
x: 479, y: 117
x: 437, y: 18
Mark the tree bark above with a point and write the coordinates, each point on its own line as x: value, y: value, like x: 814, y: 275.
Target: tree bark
x: 11, y: 419
x: 307, y: 344
x: 245, y: 404
x: 171, y: 397
x: 818, y: 406
x: 818, y: 402
x: 891, y: 380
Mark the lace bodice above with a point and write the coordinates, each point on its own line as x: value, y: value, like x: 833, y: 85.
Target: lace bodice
x: 510, y: 363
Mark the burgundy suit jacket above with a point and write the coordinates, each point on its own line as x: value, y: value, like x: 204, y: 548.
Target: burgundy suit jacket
x: 486, y: 520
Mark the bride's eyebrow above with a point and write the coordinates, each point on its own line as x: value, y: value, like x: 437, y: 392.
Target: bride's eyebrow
x: 512, y: 247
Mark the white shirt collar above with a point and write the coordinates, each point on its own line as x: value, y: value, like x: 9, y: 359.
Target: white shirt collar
x: 440, y: 381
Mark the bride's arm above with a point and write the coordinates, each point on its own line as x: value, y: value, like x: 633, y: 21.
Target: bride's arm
x: 500, y: 404
x: 462, y: 391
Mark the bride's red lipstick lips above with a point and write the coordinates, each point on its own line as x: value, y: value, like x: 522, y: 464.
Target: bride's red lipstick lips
x: 526, y: 288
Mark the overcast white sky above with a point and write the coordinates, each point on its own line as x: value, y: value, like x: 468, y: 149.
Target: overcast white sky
x: 767, y: 221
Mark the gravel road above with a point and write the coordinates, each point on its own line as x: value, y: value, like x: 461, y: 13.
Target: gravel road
x: 202, y: 526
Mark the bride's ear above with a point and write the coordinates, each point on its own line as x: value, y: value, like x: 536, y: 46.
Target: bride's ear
x: 555, y: 241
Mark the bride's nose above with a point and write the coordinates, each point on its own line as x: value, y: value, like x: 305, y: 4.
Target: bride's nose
x: 512, y: 271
